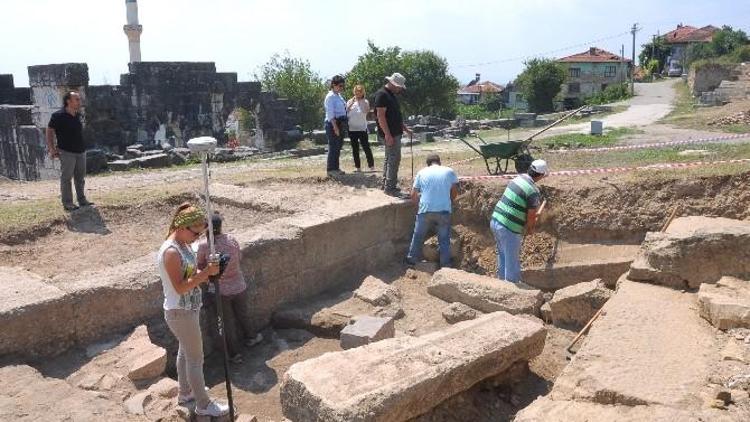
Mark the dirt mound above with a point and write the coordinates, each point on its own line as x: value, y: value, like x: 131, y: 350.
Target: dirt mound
x: 583, y: 209
x: 739, y: 118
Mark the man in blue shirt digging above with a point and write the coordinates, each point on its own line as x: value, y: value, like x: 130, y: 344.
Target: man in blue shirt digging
x: 435, y: 188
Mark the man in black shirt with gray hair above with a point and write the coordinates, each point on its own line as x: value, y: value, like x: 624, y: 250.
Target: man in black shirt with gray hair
x: 66, y: 126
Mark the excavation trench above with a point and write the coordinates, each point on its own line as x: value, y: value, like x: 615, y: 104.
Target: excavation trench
x: 307, y: 263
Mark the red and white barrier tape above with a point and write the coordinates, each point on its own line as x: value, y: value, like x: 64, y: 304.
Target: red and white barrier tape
x: 618, y: 169
x: 657, y: 144
x: 632, y: 147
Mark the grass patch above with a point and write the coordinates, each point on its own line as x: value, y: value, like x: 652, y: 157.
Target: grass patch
x: 684, y: 105
x: 585, y: 140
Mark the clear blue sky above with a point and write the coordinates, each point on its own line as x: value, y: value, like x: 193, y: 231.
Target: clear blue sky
x: 240, y: 35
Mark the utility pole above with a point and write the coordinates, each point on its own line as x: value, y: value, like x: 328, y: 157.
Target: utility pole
x: 633, y: 30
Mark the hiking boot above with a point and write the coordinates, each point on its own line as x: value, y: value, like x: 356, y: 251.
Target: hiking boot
x: 70, y: 208
x: 85, y: 203
x: 396, y: 192
x: 214, y: 409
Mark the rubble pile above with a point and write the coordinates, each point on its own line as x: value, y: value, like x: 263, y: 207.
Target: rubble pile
x: 739, y: 118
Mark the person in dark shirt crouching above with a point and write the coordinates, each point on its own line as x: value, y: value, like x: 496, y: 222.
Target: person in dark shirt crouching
x: 65, y: 125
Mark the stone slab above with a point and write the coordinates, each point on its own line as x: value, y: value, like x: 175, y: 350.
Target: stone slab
x: 483, y: 293
x: 726, y: 304
x: 400, y: 378
x: 27, y: 396
x: 376, y: 292
x: 695, y: 250
x: 545, y: 410
x: 575, y: 305
x: 559, y: 276
x: 648, y: 347
x: 457, y: 312
x: 26, y: 311
x: 365, y: 330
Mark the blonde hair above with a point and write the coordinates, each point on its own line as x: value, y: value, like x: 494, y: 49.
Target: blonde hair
x: 357, y: 88
x: 185, y: 215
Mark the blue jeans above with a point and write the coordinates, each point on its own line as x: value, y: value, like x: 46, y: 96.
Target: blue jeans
x: 426, y: 221
x: 334, y: 147
x: 508, y: 252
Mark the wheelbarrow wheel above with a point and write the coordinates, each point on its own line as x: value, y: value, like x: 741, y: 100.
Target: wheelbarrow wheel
x: 523, y: 162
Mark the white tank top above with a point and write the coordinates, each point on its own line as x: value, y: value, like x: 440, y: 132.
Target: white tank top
x: 191, y: 300
x: 358, y: 116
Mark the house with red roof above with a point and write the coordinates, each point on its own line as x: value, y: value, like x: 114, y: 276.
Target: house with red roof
x: 680, y: 39
x: 590, y: 72
x: 477, y: 90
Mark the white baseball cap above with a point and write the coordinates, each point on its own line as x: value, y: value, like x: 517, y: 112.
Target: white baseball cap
x: 397, y: 79
x: 540, y: 166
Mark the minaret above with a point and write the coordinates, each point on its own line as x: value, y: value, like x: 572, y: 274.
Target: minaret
x: 133, y: 30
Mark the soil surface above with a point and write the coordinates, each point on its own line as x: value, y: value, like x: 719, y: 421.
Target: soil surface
x: 101, y: 237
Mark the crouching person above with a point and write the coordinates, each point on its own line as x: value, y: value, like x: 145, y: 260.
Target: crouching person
x: 435, y: 188
x: 233, y: 291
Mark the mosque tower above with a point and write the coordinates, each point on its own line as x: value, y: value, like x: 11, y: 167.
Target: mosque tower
x: 133, y: 30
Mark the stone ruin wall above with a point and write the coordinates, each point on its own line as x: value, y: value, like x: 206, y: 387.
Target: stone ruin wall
x: 154, y: 102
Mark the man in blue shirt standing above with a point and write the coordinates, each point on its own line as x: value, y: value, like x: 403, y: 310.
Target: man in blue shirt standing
x: 434, y: 190
x: 335, y: 124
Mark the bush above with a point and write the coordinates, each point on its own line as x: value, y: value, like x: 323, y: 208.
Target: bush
x: 742, y: 54
x: 611, y: 94
x: 475, y: 112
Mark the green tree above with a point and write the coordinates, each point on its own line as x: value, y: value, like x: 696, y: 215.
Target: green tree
x: 724, y: 42
x: 294, y: 79
x: 540, y: 82
x: 431, y: 89
x: 656, y: 50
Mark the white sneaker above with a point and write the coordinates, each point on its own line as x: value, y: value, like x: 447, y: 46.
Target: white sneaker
x: 214, y: 409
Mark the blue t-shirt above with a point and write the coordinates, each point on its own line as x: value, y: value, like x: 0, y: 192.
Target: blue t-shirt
x: 434, y: 185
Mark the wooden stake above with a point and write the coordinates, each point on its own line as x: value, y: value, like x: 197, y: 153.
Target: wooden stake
x: 669, y: 220
x: 584, y: 330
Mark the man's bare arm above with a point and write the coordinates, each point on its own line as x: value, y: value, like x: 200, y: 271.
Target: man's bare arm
x: 51, y: 148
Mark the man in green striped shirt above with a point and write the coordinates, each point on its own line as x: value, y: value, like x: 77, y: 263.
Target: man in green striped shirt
x: 515, y: 211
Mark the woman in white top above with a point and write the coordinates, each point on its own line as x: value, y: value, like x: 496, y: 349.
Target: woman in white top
x: 180, y: 279
x: 357, y: 109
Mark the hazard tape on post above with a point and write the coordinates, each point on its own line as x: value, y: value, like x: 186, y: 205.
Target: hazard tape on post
x: 618, y: 169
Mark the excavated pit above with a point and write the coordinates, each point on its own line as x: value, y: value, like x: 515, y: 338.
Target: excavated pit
x: 588, y: 231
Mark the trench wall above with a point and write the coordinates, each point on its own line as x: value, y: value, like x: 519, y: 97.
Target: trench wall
x: 286, y: 260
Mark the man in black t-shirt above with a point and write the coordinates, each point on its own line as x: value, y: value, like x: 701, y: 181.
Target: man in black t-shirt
x: 66, y: 126
x: 390, y: 128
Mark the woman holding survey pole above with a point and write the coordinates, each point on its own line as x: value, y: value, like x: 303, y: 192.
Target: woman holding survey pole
x: 181, y: 280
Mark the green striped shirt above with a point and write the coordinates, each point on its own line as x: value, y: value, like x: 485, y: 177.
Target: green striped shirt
x: 520, y: 195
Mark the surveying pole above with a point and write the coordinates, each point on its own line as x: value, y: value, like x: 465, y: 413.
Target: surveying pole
x: 633, y: 30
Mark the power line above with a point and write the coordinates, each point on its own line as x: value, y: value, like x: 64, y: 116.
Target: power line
x: 545, y: 53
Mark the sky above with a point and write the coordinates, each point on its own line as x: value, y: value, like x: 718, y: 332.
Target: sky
x: 488, y: 37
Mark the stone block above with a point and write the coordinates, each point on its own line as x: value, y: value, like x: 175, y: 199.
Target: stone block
x: 165, y: 387
x: 483, y: 293
x: 430, y: 248
x: 546, y: 312
x: 153, y: 161
x: 365, y: 330
x: 400, y: 378
x: 574, y: 306
x: 694, y: 250
x: 726, y: 304
x: 376, y: 292
x: 457, y: 312
x: 136, y: 405
x: 96, y: 161
x: 426, y: 267
x: 123, y: 165
x: 37, y: 317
